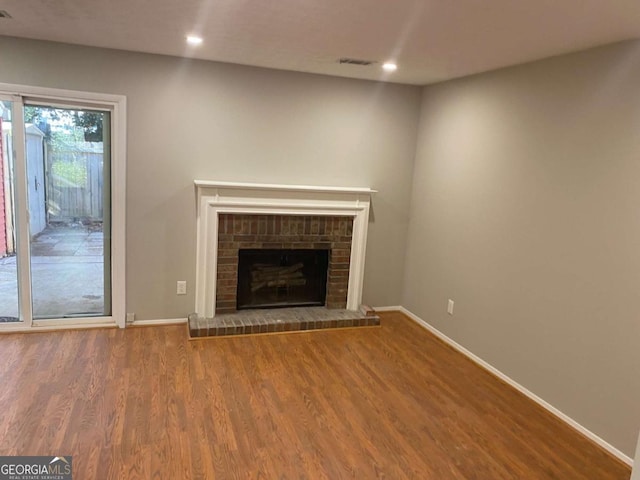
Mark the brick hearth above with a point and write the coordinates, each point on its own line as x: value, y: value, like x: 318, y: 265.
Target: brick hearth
x: 279, y: 320
x: 239, y: 231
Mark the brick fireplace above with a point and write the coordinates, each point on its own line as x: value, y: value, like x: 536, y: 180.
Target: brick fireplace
x: 300, y: 232
x: 234, y: 216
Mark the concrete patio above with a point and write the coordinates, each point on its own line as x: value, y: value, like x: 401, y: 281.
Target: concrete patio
x: 67, y: 274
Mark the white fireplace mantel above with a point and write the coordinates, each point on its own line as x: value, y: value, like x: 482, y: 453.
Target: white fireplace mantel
x: 216, y: 197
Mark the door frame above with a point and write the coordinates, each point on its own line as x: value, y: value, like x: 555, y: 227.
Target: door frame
x: 117, y: 105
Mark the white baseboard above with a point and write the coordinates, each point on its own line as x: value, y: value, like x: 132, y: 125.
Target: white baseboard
x: 161, y: 321
x: 547, y: 406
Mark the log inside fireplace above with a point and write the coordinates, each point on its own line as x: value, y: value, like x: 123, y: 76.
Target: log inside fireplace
x: 273, y: 278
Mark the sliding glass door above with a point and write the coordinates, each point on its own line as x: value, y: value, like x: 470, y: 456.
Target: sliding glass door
x: 67, y: 152
x: 9, y: 301
x: 55, y: 212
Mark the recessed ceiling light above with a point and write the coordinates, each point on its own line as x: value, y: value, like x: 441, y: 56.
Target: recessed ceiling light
x: 194, y: 40
x: 389, y: 67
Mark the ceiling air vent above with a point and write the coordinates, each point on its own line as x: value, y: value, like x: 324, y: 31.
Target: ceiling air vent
x: 355, y: 61
x: 4, y: 14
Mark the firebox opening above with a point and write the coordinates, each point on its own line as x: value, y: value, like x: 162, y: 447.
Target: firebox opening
x: 281, y: 278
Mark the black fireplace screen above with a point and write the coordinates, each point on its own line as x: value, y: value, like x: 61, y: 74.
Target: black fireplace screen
x: 282, y: 278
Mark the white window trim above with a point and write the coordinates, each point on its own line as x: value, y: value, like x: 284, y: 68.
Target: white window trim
x: 117, y: 104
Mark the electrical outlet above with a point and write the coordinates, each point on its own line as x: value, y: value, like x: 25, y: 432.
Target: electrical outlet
x: 450, y: 307
x: 131, y: 317
x: 182, y: 287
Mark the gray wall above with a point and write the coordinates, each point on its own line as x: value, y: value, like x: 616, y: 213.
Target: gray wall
x: 201, y: 120
x: 525, y: 211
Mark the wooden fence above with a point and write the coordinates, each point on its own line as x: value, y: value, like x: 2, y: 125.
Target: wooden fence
x: 74, y: 185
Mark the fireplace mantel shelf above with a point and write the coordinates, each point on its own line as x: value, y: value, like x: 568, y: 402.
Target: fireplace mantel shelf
x: 277, y: 187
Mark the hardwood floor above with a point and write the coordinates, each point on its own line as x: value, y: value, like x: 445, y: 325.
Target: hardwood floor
x: 391, y: 402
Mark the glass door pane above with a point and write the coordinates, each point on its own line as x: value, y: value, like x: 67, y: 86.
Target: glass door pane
x: 68, y: 171
x: 9, y: 302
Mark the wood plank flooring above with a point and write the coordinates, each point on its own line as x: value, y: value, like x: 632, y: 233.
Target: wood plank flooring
x: 391, y: 402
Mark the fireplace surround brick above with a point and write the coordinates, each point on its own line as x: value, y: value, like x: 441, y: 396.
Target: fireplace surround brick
x: 239, y: 231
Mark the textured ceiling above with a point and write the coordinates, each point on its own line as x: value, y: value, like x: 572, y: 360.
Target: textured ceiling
x: 430, y: 40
